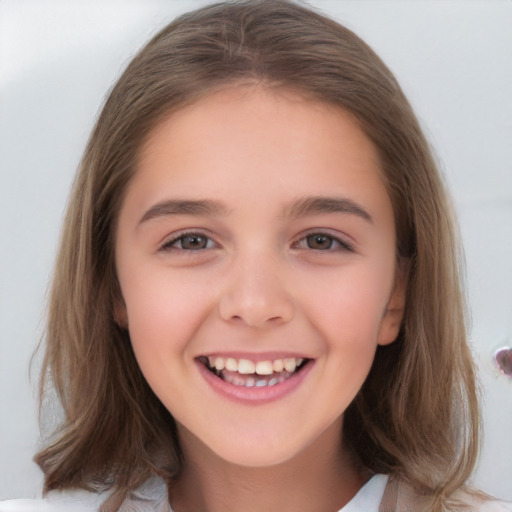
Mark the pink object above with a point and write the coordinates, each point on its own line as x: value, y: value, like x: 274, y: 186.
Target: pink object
x: 503, y: 358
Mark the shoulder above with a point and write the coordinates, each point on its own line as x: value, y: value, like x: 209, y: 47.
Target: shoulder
x: 56, y: 501
x: 482, y: 504
x: 150, y: 497
x: 400, y: 497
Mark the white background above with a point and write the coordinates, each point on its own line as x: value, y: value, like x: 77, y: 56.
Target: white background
x: 58, y: 59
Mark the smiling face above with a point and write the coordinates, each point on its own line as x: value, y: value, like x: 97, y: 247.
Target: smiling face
x: 256, y: 257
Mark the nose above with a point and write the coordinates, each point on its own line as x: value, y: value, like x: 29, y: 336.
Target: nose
x: 256, y: 294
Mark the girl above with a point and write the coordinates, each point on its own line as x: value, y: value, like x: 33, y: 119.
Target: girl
x: 257, y: 303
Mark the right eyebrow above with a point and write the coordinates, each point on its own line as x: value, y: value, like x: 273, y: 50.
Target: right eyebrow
x: 183, y: 207
x: 322, y: 205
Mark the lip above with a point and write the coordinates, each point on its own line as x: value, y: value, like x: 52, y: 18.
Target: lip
x: 255, y: 395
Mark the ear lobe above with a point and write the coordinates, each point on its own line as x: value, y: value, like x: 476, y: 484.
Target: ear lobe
x: 120, y: 313
x: 394, y: 314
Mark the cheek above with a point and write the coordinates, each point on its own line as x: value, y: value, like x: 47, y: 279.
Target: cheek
x: 164, y: 310
x: 159, y: 323
x: 350, y: 308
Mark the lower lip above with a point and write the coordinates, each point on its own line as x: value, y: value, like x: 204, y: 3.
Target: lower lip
x: 255, y: 395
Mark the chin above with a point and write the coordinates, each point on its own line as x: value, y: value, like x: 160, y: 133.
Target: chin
x: 256, y: 457
x: 257, y: 448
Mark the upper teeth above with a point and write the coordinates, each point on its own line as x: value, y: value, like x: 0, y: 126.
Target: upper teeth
x: 246, y: 366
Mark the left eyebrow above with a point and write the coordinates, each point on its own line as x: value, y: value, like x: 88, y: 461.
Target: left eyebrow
x: 171, y: 207
x: 322, y: 205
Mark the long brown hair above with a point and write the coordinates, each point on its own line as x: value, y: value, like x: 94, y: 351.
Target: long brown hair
x: 416, y: 416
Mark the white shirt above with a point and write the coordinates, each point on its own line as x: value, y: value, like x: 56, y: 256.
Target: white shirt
x: 152, y: 496
x: 366, y: 500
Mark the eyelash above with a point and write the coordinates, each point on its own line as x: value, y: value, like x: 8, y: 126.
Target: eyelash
x: 340, y: 245
x: 170, y: 245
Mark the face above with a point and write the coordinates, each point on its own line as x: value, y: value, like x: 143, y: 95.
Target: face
x: 256, y: 257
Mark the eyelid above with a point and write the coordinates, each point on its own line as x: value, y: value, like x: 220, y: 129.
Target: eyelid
x: 344, y: 244
x: 169, y: 241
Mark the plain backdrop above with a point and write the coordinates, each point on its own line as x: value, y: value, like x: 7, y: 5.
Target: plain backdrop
x: 59, y: 58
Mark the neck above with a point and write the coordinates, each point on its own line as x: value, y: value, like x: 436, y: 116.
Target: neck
x: 322, y: 478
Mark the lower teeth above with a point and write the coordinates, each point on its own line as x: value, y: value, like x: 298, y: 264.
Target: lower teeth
x: 250, y: 382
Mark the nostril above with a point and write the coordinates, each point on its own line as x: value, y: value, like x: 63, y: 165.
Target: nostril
x: 256, y: 302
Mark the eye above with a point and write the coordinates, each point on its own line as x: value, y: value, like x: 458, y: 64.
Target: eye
x: 189, y: 242
x: 319, y: 242
x: 322, y: 242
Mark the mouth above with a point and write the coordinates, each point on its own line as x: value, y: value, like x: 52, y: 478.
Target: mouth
x: 246, y: 373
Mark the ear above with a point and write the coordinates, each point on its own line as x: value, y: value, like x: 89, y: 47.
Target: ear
x: 120, y: 313
x: 394, y: 314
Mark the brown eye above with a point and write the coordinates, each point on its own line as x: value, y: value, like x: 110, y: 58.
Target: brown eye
x: 322, y: 242
x: 193, y: 242
x: 319, y: 242
x: 189, y: 242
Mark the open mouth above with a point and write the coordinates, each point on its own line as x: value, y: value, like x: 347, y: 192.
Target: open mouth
x: 247, y: 373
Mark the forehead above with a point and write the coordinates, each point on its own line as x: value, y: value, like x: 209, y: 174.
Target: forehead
x: 250, y: 142
x: 259, y: 119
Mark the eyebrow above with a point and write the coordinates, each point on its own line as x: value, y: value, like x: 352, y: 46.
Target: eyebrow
x: 184, y: 207
x: 301, y: 208
x: 322, y: 205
